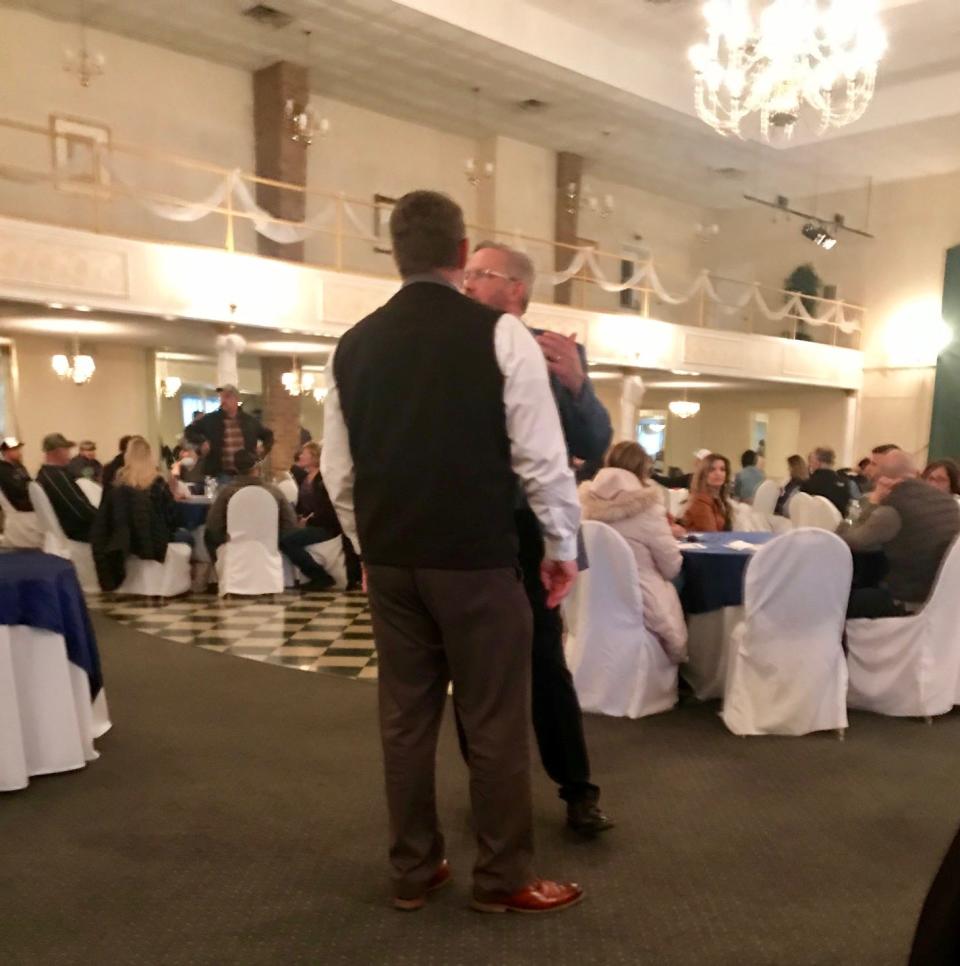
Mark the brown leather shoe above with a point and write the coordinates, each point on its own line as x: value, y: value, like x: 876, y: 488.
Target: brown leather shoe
x: 437, y: 881
x: 540, y: 896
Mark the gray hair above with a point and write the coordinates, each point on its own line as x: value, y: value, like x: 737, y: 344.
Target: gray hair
x: 519, y: 266
x: 825, y: 455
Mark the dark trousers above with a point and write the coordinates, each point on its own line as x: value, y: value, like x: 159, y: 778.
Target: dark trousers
x: 557, y: 720
x: 471, y: 627
x: 873, y: 602
x: 937, y: 939
x: 294, y: 543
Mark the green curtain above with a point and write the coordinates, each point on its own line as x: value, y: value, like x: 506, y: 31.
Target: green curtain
x: 945, y: 421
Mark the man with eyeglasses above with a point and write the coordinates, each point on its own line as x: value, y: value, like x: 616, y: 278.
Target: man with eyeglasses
x: 502, y: 278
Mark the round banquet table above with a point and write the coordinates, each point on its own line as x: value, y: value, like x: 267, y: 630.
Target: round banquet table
x: 52, y: 702
x: 712, y: 598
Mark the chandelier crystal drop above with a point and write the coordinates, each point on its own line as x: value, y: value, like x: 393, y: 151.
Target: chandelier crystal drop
x: 819, y: 53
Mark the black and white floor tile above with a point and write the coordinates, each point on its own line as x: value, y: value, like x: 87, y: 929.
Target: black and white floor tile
x: 327, y: 632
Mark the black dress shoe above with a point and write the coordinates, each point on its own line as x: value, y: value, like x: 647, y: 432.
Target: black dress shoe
x: 585, y: 818
x: 318, y: 584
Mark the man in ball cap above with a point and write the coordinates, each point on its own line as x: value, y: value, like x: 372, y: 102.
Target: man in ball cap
x: 13, y: 474
x: 74, y: 511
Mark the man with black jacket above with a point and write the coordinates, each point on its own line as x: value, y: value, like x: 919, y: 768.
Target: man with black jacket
x: 224, y: 432
x: 502, y: 278
x: 824, y: 480
x: 13, y: 474
x: 71, y: 506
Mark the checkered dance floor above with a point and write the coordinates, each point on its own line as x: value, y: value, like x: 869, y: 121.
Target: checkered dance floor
x: 311, y: 632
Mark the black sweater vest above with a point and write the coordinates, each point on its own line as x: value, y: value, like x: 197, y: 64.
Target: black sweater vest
x: 422, y: 398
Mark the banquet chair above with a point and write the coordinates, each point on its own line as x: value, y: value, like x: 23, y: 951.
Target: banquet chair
x: 910, y: 666
x: 20, y: 528
x: 250, y: 562
x: 765, y: 499
x: 55, y: 541
x: 618, y: 666
x: 743, y: 518
x: 677, y: 502
x: 787, y: 674
x: 800, y: 509
x: 150, y: 578
x: 92, y: 490
x: 824, y: 515
x: 288, y: 487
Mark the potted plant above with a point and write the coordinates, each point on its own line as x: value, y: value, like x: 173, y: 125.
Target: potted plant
x: 805, y: 281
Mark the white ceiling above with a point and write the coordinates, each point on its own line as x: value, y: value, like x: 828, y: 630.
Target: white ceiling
x: 615, y: 66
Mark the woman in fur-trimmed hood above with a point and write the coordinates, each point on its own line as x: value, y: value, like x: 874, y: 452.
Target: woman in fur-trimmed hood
x: 623, y: 496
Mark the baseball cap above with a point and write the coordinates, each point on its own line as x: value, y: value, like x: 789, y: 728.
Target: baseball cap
x: 9, y: 442
x: 228, y: 387
x: 87, y: 444
x: 702, y: 454
x: 54, y: 441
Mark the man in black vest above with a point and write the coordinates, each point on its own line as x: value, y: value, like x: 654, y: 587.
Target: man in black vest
x: 502, y: 278
x: 436, y: 405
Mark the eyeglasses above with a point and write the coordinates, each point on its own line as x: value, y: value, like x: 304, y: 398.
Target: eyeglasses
x: 475, y: 274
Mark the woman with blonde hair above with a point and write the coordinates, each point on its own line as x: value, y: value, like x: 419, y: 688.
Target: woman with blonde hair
x: 137, y: 516
x: 622, y: 496
x: 709, y: 509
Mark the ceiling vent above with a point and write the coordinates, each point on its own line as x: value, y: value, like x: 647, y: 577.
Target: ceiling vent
x: 731, y: 174
x: 532, y: 105
x: 268, y: 16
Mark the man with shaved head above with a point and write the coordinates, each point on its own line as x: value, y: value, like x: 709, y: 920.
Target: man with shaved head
x: 914, y: 524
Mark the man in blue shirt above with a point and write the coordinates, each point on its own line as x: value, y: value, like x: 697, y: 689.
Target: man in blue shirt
x: 749, y: 478
x: 502, y: 278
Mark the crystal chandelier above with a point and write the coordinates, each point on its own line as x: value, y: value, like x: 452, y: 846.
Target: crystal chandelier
x: 475, y: 169
x: 303, y: 122
x: 170, y: 386
x: 77, y: 368
x: 683, y: 408
x: 822, y: 53
x: 81, y: 62
x: 587, y: 200
x: 297, y: 382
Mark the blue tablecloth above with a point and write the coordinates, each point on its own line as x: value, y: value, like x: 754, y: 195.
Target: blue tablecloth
x: 191, y: 514
x: 42, y: 591
x: 713, y: 576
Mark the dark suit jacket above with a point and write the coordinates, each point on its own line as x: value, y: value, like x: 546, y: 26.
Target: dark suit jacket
x: 13, y: 481
x: 210, y: 429
x: 828, y: 483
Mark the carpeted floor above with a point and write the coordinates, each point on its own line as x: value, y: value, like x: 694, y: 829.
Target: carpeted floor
x: 236, y: 816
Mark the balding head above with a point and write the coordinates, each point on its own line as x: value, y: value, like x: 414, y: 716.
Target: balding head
x: 896, y: 465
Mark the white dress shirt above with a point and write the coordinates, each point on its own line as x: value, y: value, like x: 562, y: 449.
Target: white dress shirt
x: 538, y: 454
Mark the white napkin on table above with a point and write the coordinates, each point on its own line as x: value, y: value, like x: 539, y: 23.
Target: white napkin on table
x: 742, y: 545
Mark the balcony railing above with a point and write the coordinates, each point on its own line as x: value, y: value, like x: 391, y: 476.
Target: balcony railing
x: 73, y: 175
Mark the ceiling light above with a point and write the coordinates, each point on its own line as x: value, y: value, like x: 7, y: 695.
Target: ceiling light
x: 170, y: 386
x: 818, y: 235
x: 54, y: 305
x: 290, y: 348
x: 78, y: 368
x: 683, y: 408
x: 83, y: 308
x: 794, y: 54
x: 684, y: 372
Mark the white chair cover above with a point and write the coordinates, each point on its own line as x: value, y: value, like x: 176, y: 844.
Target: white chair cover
x: 677, y: 502
x: 780, y: 524
x: 910, y: 666
x: 55, y: 540
x: 288, y: 487
x: 92, y: 490
x: 150, y: 578
x: 47, y: 721
x: 800, y: 509
x: 824, y: 515
x: 743, y: 518
x: 329, y: 555
x: 618, y: 666
x: 765, y: 499
x: 786, y: 674
x: 249, y: 562
x: 20, y: 529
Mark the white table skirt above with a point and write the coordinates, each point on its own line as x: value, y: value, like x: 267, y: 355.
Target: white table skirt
x: 708, y: 646
x: 47, y: 721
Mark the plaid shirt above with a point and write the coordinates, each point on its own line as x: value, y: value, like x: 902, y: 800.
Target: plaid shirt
x: 232, y: 441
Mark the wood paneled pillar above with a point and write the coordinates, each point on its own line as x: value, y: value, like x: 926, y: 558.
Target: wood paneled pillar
x: 566, y: 220
x: 277, y: 156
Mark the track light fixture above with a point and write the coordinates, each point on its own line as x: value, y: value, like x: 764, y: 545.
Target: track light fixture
x: 818, y: 235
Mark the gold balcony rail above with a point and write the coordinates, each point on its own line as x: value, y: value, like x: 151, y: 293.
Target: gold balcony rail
x: 79, y: 171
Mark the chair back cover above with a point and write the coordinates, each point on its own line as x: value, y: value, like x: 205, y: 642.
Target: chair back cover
x: 250, y: 561
x: 787, y: 673
x: 676, y: 501
x: 55, y: 540
x: 91, y: 489
x: 618, y: 666
x: 20, y: 528
x: 288, y: 488
x: 765, y: 499
x: 151, y: 578
x: 910, y: 666
x: 824, y: 515
x: 800, y: 509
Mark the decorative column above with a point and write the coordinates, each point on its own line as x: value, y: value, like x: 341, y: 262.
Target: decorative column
x: 631, y: 398
x: 850, y: 412
x: 566, y: 227
x: 281, y: 412
x: 277, y: 155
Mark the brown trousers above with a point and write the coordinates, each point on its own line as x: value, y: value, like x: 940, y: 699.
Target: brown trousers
x: 472, y: 627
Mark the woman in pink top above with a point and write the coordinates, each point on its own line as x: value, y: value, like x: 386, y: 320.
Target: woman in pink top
x: 622, y: 496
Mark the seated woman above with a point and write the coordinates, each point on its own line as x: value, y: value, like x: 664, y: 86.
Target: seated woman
x: 622, y: 496
x: 708, y: 509
x: 137, y: 516
x: 944, y: 475
x: 797, y: 467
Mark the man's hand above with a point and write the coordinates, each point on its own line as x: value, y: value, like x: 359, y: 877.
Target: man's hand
x: 558, y: 577
x: 881, y: 489
x: 563, y: 359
